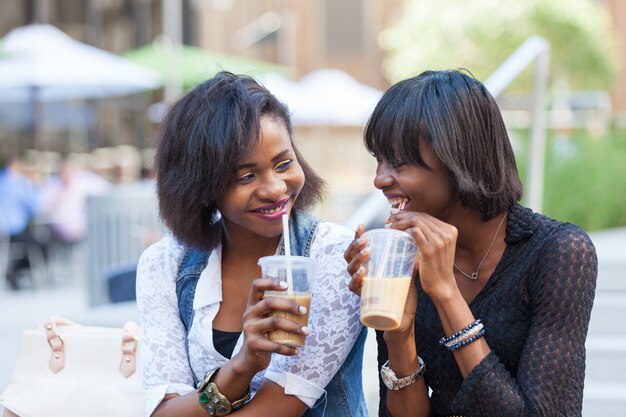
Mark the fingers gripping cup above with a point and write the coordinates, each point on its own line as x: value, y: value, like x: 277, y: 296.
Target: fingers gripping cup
x: 297, y: 271
x: 388, y: 277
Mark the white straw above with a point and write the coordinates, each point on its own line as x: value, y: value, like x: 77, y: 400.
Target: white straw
x: 385, y: 255
x: 287, y: 251
x: 383, y: 259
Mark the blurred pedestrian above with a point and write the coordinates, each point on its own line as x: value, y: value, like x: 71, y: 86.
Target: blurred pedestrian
x: 496, y: 322
x: 19, y: 204
x: 64, y: 201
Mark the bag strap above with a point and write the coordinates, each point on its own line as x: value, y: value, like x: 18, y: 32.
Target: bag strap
x: 130, y: 338
x: 55, y: 341
x: 129, y: 342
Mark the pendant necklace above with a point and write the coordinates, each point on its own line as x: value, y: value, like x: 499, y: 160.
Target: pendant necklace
x: 474, y: 275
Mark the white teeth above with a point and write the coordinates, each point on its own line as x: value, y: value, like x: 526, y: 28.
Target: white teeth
x: 272, y: 211
x: 398, y: 202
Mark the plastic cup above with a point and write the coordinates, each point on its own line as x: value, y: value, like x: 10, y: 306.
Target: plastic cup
x: 388, y: 277
x: 298, y: 272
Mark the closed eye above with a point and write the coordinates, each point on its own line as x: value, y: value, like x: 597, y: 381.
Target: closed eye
x: 246, y: 178
x: 284, y: 165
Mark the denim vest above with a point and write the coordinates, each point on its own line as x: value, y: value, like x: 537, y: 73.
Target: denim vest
x: 345, y: 391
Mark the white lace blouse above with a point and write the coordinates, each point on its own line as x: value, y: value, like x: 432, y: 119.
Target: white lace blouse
x: 333, y: 320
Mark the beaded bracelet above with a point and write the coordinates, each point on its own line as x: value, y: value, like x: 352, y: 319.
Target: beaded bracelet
x: 465, y: 336
x: 448, y: 339
x: 468, y: 341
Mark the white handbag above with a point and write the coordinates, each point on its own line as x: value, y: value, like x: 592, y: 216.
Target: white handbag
x: 67, y: 370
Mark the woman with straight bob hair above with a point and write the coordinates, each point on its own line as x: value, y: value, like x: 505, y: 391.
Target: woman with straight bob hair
x: 227, y: 172
x: 496, y: 321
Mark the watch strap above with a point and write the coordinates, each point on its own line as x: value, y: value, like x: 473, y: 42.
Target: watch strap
x: 394, y: 383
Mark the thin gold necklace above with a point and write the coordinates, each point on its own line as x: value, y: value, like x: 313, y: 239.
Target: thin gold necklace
x: 474, y: 275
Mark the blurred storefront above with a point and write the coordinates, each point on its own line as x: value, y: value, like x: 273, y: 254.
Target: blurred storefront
x: 301, y: 35
x: 305, y: 35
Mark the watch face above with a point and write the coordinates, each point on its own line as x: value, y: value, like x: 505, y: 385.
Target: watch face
x: 384, y: 373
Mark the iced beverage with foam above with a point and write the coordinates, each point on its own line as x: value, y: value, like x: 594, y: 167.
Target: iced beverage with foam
x: 297, y: 271
x: 388, y: 277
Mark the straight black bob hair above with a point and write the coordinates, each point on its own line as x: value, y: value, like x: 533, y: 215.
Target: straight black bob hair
x: 199, y: 145
x: 456, y: 115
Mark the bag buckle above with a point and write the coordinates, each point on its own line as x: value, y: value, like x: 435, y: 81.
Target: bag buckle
x: 55, y: 341
x: 129, y: 349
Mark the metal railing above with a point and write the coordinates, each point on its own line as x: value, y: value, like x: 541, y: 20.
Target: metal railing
x: 534, y: 50
x: 120, y: 226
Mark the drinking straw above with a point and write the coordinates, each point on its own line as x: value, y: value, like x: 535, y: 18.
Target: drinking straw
x: 287, y: 250
x: 383, y: 260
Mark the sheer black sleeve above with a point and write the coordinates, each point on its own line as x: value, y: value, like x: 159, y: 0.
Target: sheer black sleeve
x: 551, y: 371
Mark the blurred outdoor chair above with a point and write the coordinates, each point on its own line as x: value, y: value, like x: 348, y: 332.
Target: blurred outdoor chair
x: 15, y: 251
x: 66, y: 263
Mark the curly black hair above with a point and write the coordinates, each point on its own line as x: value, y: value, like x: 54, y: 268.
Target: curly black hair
x: 199, y: 145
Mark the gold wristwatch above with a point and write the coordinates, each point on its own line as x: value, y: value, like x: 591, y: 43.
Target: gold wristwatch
x: 394, y: 383
x: 213, y: 401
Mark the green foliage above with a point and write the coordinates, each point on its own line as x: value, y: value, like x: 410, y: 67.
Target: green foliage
x: 585, y: 181
x: 480, y: 34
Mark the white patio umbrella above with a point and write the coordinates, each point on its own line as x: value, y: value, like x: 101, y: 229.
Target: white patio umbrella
x: 43, y: 57
x: 41, y: 64
x: 328, y: 97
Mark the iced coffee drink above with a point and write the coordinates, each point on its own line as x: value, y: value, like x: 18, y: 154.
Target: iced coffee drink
x: 286, y: 338
x: 297, y: 272
x: 388, y: 277
x: 382, y: 301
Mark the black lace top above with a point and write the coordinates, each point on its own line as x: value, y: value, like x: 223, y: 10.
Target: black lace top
x: 536, y: 308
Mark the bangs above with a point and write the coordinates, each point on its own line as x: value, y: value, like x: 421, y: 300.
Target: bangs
x: 396, y: 126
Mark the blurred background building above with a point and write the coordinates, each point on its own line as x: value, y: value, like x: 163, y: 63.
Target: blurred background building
x: 330, y: 61
x: 304, y: 35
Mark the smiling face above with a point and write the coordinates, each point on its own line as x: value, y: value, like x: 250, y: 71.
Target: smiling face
x: 426, y: 189
x: 267, y: 182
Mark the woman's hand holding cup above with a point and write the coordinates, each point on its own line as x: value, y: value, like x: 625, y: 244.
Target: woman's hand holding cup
x: 258, y: 322
x: 381, y: 263
x: 357, y: 255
